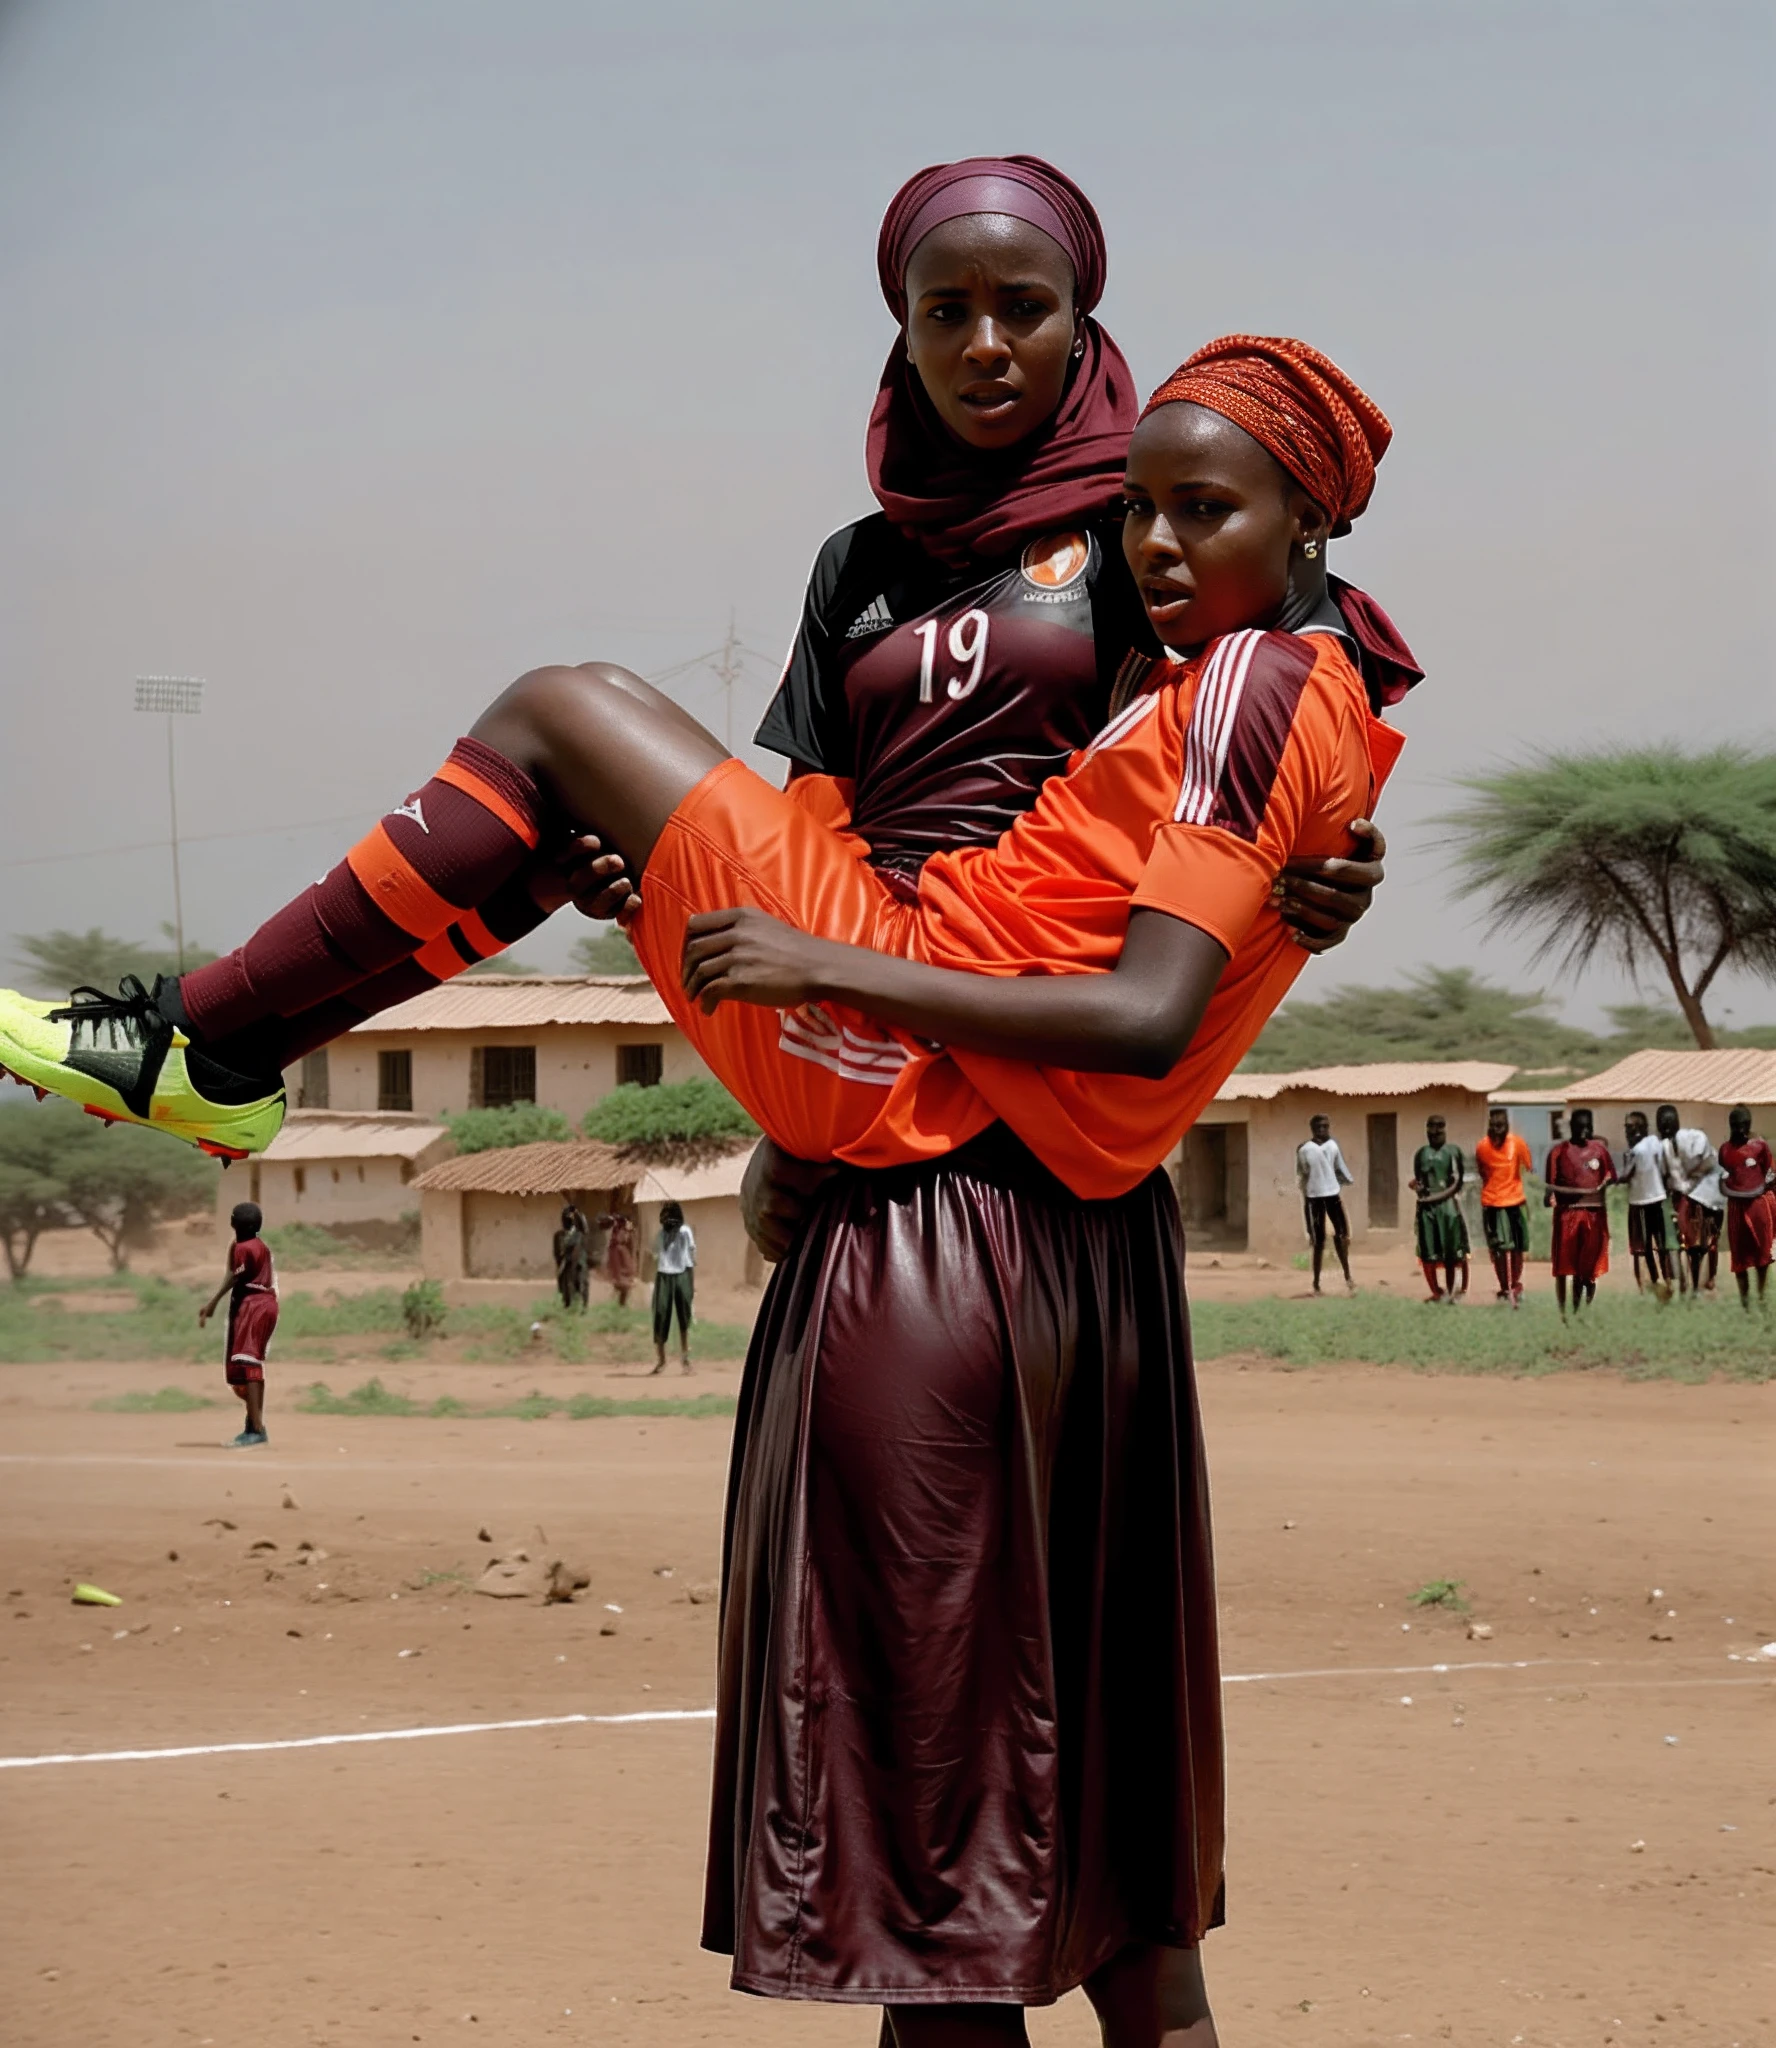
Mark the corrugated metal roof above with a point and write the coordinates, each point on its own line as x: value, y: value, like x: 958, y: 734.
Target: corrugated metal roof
x: 552, y: 1166
x: 310, y: 1134
x: 522, y: 1002
x: 693, y: 1183
x: 1384, y: 1077
x: 1530, y: 1098
x: 1732, y: 1075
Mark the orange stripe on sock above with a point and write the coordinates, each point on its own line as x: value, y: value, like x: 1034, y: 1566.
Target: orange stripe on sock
x: 392, y: 884
x: 485, y: 943
x: 440, y: 959
x: 490, y: 799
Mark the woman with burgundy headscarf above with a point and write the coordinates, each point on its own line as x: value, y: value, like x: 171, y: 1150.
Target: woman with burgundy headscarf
x: 941, y: 1417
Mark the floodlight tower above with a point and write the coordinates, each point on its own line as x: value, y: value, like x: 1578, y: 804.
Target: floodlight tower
x: 173, y: 696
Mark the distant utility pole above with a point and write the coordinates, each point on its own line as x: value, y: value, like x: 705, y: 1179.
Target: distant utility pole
x: 728, y: 668
x: 173, y: 696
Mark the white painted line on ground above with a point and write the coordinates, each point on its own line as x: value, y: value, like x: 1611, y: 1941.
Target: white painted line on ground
x: 136, y: 1756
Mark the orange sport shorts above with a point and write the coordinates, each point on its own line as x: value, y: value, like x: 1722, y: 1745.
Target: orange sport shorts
x: 823, y: 1081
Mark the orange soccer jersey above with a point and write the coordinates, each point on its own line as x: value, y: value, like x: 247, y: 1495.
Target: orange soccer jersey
x: 1261, y: 749
x: 1503, y: 1167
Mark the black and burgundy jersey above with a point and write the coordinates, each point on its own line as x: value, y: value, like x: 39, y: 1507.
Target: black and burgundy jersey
x: 948, y: 698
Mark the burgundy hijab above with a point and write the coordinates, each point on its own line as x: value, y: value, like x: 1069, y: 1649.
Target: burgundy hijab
x: 962, y: 505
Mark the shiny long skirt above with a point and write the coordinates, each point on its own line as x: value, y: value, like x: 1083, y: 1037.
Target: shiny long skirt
x: 968, y: 1739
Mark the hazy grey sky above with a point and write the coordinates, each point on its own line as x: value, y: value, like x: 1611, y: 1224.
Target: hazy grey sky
x: 357, y: 357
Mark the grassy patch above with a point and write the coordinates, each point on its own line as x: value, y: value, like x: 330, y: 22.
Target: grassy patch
x: 1691, y: 1340
x: 373, y: 1398
x: 163, y: 1401
x: 308, y: 1247
x: 1442, y: 1593
x: 314, y: 1330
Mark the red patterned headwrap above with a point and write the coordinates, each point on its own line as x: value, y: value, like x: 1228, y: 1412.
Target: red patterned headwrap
x: 1297, y: 403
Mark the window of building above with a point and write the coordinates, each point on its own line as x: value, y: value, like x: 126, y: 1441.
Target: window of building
x: 640, y: 1064
x: 314, y: 1088
x: 394, y: 1080
x: 300, y: 1176
x: 502, y: 1074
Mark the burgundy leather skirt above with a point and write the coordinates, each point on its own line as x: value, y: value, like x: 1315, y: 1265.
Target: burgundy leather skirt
x: 968, y: 1738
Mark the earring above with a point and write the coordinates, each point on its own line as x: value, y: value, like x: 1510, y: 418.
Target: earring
x: 1311, y: 549
x: 1079, y: 348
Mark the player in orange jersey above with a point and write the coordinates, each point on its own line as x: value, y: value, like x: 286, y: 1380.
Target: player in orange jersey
x: 1503, y: 1157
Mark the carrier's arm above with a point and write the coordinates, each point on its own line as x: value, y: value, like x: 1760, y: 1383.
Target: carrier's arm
x: 1137, y: 1019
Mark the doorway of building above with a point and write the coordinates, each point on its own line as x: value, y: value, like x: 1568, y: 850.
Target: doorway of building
x: 1384, y: 1170
x: 1212, y: 1186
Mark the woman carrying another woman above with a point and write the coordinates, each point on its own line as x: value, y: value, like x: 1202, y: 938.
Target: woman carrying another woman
x: 934, y: 1427
x: 969, y: 1737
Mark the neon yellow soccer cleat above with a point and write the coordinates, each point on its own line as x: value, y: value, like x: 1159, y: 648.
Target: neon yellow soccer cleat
x: 124, y: 1063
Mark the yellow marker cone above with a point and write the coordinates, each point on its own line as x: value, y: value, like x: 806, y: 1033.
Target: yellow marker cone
x: 94, y: 1596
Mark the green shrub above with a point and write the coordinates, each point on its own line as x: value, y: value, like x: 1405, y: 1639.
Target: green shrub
x: 492, y: 1130
x: 673, y: 1117
x: 423, y: 1310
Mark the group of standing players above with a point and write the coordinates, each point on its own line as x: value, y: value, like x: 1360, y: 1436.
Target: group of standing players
x: 1706, y: 1188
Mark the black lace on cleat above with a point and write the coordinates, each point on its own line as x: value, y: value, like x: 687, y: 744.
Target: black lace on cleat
x: 121, y: 1040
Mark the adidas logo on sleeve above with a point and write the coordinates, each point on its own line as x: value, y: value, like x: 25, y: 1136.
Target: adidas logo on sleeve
x: 877, y: 618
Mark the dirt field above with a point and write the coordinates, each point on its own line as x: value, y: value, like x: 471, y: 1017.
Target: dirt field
x: 1566, y: 1837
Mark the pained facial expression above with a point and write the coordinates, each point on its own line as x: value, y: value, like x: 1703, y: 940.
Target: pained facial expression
x: 1498, y: 1126
x: 1739, y: 1125
x: 1634, y: 1126
x: 1214, y: 525
x: 1667, y: 1121
x: 1582, y: 1126
x: 1434, y: 1130
x: 1320, y: 1129
x: 990, y: 326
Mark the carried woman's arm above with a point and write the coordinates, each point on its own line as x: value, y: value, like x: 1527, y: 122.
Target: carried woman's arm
x: 1137, y: 1019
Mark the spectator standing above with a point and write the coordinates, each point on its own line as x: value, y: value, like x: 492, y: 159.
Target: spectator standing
x: 573, y: 1258
x: 1692, y: 1173
x: 619, y: 1253
x: 1438, y: 1171
x: 1503, y: 1157
x: 1642, y: 1169
x: 1322, y: 1175
x: 250, y: 1282
x: 675, y: 1275
x: 1578, y: 1172
x: 1748, y: 1173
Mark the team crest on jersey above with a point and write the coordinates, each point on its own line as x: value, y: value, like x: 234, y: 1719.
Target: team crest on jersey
x: 1054, y: 561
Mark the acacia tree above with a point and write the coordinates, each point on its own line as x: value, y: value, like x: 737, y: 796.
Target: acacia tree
x: 1638, y: 854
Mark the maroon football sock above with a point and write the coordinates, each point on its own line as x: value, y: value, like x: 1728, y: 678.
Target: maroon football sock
x: 410, y: 891
x: 268, y: 1047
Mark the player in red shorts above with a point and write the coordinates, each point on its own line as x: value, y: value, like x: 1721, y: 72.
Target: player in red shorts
x: 250, y: 1282
x: 1088, y: 980
x: 1748, y: 1178
x: 1578, y: 1171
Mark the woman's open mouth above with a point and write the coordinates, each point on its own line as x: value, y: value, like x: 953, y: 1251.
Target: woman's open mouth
x: 1166, y: 602
x: 990, y: 400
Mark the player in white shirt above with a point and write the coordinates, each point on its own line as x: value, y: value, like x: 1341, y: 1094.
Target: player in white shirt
x: 675, y: 1279
x: 1642, y: 1171
x: 1321, y: 1174
x: 1692, y: 1173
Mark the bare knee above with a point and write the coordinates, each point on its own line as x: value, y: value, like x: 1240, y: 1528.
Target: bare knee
x: 525, y: 722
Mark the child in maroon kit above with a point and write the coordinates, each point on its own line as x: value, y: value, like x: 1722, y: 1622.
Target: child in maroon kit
x: 1748, y: 1172
x: 1578, y: 1171
x: 251, y: 1282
